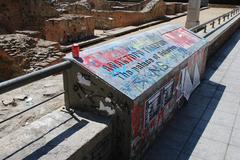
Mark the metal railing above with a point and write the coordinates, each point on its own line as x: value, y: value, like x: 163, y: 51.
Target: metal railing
x: 30, y: 78
x: 215, y: 23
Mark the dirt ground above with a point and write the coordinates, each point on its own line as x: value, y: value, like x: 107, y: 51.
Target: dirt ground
x: 25, y: 98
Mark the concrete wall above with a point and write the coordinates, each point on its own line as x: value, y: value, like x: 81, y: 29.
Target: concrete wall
x: 217, y: 39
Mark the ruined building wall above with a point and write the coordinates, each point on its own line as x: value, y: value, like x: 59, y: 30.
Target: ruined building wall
x: 35, y: 12
x: 9, y: 66
x: 153, y: 10
x: 20, y: 54
x: 106, y: 19
x: 24, y: 14
x: 99, y: 4
x: 130, y: 6
x: 69, y: 28
x: 10, y: 16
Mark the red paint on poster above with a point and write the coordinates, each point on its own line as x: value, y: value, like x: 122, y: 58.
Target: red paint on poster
x: 136, y: 120
x: 181, y: 37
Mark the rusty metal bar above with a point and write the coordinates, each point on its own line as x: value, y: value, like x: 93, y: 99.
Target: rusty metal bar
x: 34, y: 76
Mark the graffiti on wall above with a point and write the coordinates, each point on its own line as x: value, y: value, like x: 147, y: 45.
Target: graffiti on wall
x: 161, y: 104
x: 181, y: 37
x: 134, y: 64
x: 152, y: 108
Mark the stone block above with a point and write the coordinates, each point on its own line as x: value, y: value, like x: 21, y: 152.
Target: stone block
x: 184, y: 7
x: 170, y: 8
x: 203, y: 147
x: 59, y: 135
x: 232, y: 153
x: 218, y: 117
x: 178, y: 8
x: 69, y: 28
x: 235, y: 138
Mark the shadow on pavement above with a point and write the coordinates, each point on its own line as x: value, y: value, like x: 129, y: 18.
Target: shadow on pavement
x: 181, y: 134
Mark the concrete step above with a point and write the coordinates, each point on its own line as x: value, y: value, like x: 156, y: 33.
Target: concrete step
x: 60, y: 135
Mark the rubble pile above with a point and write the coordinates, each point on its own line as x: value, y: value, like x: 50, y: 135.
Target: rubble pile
x: 21, y: 54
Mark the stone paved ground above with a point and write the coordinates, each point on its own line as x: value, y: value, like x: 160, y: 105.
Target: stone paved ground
x: 208, y: 127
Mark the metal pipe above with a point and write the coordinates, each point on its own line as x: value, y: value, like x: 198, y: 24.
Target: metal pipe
x: 205, y: 29
x: 34, y: 76
x: 213, y: 24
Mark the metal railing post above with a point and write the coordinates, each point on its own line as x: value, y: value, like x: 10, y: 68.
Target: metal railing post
x: 219, y: 20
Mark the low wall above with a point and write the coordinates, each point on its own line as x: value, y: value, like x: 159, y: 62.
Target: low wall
x: 60, y: 135
x: 219, y: 37
x: 222, y: 5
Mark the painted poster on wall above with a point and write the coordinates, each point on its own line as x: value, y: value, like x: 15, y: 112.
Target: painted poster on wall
x: 168, y: 92
x: 137, y: 125
x: 181, y: 37
x: 191, y: 75
x: 152, y: 107
x: 134, y: 64
x: 187, y: 83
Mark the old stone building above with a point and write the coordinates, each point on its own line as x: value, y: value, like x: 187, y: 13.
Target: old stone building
x: 69, y: 28
x: 24, y: 14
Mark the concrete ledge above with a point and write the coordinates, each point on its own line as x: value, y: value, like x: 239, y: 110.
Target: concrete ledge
x: 221, y: 35
x: 59, y: 135
x: 222, y: 6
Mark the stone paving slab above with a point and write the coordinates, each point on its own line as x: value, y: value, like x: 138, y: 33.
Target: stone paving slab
x: 208, y: 127
x: 232, y: 153
x: 235, y: 138
x: 205, y: 148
